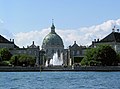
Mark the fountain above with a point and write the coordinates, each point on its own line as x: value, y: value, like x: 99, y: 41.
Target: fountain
x: 46, y: 63
x: 56, y: 61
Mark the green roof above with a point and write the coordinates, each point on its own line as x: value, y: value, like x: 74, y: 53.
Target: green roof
x: 52, y: 39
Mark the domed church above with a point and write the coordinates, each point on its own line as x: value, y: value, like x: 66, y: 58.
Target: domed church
x: 52, y: 43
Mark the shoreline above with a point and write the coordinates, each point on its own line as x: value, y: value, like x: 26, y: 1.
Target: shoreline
x: 61, y: 69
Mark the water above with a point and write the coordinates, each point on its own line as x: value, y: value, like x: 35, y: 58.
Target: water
x: 60, y: 80
x: 56, y: 60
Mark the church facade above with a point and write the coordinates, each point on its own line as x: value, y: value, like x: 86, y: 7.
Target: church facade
x: 52, y: 43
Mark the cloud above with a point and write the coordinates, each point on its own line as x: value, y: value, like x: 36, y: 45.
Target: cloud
x: 25, y: 39
x: 83, y: 36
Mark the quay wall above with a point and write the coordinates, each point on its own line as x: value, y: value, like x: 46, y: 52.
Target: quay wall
x: 18, y: 69
x: 39, y: 69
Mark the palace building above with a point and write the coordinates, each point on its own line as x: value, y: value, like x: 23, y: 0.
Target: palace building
x: 112, y: 39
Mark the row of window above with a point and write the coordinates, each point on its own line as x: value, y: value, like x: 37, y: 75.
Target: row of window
x: 76, y: 52
x: 29, y: 52
x: 53, y: 51
x: 6, y: 46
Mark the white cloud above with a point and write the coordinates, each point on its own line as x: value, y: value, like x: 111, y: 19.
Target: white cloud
x: 25, y: 39
x: 83, y: 36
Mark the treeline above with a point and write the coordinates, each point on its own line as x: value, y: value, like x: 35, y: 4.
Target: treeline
x: 7, y: 59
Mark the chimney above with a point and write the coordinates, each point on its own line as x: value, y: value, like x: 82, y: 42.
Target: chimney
x: 118, y: 30
x: 13, y: 41
x: 33, y: 42
x: 74, y: 42
x: 113, y: 30
x: 98, y: 40
x: 94, y: 40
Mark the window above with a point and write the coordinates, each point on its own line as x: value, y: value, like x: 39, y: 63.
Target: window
x: 58, y: 53
x: 73, y: 52
x: 52, y: 51
x: 47, y: 51
x: 78, y: 52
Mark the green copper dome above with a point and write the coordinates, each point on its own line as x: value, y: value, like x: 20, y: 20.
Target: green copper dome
x: 52, y: 39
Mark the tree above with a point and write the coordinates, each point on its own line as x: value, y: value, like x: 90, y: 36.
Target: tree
x: 19, y: 60
x: 5, y: 54
x: 89, y: 56
x: 101, y: 55
x: 106, y: 54
x: 27, y: 60
x: 15, y: 60
x: 5, y: 63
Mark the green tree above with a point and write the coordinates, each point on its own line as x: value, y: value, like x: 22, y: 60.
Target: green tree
x: 5, y: 63
x: 106, y: 54
x: 89, y: 56
x: 102, y: 55
x: 27, y: 60
x: 15, y: 60
x: 5, y: 54
x: 19, y: 60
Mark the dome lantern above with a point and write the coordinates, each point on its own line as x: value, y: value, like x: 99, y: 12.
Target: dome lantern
x: 52, y: 27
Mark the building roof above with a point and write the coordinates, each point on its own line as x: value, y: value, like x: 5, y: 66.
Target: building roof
x: 4, y: 40
x: 52, y: 39
x: 76, y: 46
x: 33, y: 45
x: 112, y: 37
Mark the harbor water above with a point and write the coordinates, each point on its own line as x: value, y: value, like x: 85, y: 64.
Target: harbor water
x: 59, y: 80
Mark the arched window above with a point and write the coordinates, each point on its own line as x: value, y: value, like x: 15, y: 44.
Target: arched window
x: 58, y: 53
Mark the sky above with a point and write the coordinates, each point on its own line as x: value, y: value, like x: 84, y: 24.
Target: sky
x: 75, y: 20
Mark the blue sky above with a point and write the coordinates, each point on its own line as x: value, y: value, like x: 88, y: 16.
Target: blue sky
x: 25, y: 16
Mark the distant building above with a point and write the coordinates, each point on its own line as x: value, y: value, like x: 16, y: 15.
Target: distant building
x: 32, y: 50
x: 113, y: 39
x: 76, y: 53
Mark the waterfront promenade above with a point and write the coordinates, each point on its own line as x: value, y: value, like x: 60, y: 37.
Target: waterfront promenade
x: 40, y: 69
